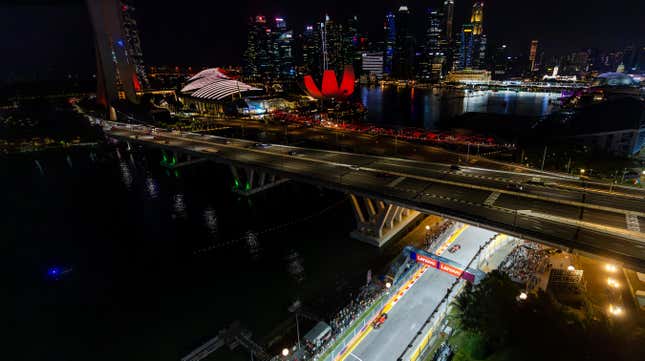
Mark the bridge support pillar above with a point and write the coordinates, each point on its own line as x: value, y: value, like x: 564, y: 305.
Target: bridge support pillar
x: 248, y: 181
x: 377, y: 222
x: 176, y: 160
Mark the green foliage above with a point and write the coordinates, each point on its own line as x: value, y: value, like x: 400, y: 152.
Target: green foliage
x: 538, y: 328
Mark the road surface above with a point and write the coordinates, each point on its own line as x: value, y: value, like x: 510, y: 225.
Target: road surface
x: 407, y: 316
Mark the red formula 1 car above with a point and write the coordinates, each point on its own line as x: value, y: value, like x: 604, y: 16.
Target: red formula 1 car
x: 379, y: 320
x: 454, y: 248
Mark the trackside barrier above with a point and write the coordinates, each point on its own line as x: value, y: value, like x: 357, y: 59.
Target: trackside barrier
x: 412, y: 353
x: 431, y: 327
x: 346, y: 340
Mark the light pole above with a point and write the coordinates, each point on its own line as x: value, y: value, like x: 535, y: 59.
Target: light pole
x: 427, y: 236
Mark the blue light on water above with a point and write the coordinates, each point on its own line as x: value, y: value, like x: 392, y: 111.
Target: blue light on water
x: 57, y: 272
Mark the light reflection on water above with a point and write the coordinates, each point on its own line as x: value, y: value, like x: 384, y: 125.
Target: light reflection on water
x: 179, y: 206
x: 210, y: 220
x: 152, y: 188
x: 126, y: 175
x: 427, y: 107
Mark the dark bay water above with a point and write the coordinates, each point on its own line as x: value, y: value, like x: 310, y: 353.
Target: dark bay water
x: 129, y: 231
x: 425, y: 108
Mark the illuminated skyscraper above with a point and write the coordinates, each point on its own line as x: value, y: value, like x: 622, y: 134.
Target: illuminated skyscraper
x: 477, y: 18
x: 269, y: 51
x: 119, y: 61
x: 390, y: 41
x: 448, y: 11
x: 404, y: 50
x: 282, y: 50
x: 533, y: 54
x: 467, y: 43
x: 311, y: 48
x: 257, y: 65
x: 478, y: 37
x: 434, y: 49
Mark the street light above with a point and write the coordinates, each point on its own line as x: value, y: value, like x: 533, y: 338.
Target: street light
x: 582, y: 171
x: 612, y: 282
x: 611, y: 267
x: 571, y: 268
x: 427, y: 236
x: 523, y: 296
x: 615, y: 310
x: 285, y: 352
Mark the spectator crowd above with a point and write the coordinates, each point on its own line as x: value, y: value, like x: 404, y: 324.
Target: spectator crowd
x: 524, y: 261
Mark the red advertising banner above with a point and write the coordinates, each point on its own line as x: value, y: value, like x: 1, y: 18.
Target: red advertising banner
x: 427, y: 261
x: 468, y: 277
x: 450, y: 269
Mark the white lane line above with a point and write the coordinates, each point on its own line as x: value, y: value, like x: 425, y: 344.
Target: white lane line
x: 396, y: 182
x: 356, y: 357
x: 491, y: 198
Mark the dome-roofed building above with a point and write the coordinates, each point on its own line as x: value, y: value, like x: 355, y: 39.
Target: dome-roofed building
x: 613, y: 79
x: 210, y: 89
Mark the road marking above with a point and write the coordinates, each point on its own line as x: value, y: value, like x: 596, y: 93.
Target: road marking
x: 491, y: 198
x: 632, y: 222
x: 356, y: 357
x: 395, y: 182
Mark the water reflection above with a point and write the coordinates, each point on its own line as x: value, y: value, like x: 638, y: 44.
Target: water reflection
x: 210, y: 220
x: 427, y: 107
x: 152, y: 188
x: 252, y: 244
x: 126, y: 175
x: 294, y: 266
x: 179, y: 207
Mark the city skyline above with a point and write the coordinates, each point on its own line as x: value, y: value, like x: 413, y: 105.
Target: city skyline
x: 187, y: 42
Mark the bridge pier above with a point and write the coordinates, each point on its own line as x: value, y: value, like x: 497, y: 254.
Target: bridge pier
x: 176, y: 160
x: 248, y: 181
x: 377, y: 222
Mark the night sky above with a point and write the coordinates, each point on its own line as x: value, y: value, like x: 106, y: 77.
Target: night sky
x: 40, y: 38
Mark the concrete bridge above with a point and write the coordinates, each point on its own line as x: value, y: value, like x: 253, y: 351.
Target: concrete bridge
x: 388, y: 193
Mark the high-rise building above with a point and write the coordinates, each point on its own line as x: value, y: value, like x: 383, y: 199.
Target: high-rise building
x: 404, y: 50
x: 282, y: 51
x: 354, y: 44
x: 466, y: 46
x: 372, y: 64
x: 533, y: 55
x: 269, y: 51
x: 477, y: 17
x: 390, y: 42
x: 448, y: 11
x: 120, y: 71
x: 311, y: 51
x: 258, y: 66
x: 434, y: 54
x: 331, y: 36
x: 479, y: 38
x: 501, y: 61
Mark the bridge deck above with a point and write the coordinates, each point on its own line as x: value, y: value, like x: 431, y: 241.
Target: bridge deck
x: 564, y: 211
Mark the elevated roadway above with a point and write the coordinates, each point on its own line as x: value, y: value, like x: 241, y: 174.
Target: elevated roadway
x: 587, y: 217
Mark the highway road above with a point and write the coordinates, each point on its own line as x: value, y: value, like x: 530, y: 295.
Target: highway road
x: 408, y: 315
x: 553, y: 209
